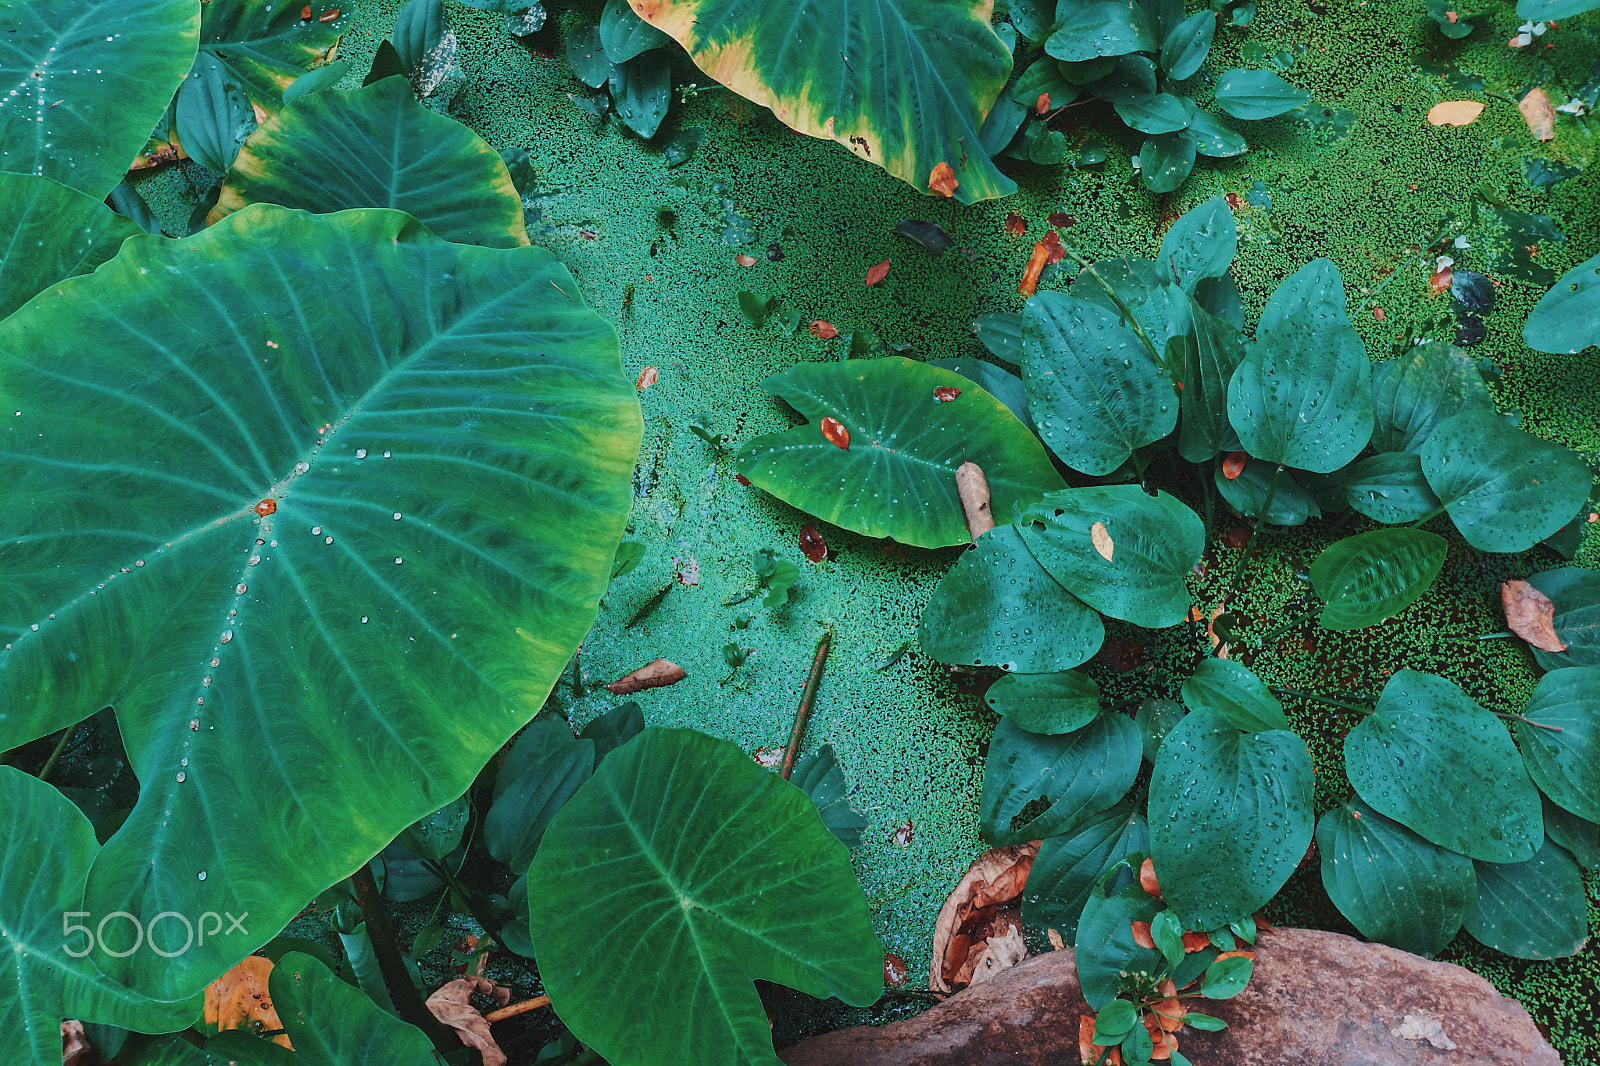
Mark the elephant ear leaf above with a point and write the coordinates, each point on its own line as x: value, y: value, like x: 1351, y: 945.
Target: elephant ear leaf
x: 905, y: 84
x: 54, y: 232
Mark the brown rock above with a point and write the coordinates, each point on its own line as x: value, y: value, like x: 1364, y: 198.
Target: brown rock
x: 1317, y: 999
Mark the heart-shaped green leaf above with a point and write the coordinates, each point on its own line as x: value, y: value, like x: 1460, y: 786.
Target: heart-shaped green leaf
x: 1105, y: 948
x: 264, y: 45
x: 624, y: 35
x: 1301, y: 395
x: 53, y: 232
x: 257, y: 515
x: 1575, y: 591
x: 89, y: 79
x: 1231, y: 690
x: 1505, y: 489
x: 1425, y: 747
x: 1253, y: 94
x: 1203, y: 242
x: 1155, y: 541
x: 1070, y: 864
x: 998, y: 607
x: 1389, y: 487
x: 1563, y: 764
x: 898, y: 476
x: 642, y: 91
x: 1080, y: 773
x: 1213, y: 350
x: 1090, y: 28
x: 1372, y: 576
x: 1145, y: 288
x: 1414, y: 393
x: 904, y: 84
x: 1095, y: 390
x: 1153, y: 113
x: 1046, y: 703
x: 1394, y: 886
x: 1187, y: 46
x: 1533, y: 909
x: 712, y: 869
x: 1230, y: 817
x: 1567, y: 318
x: 378, y: 147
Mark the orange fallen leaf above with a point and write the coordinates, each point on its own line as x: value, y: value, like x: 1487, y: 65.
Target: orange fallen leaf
x: 834, y: 432
x: 656, y: 674
x: 943, y: 179
x: 452, y: 1005
x: 1101, y: 538
x: 745, y: 260
x: 1539, y: 114
x: 1241, y: 954
x: 239, y: 1000
x: 945, y: 393
x: 1439, y: 283
x: 877, y: 273
x: 1454, y: 113
x: 1088, y: 1050
x: 1041, y: 105
x: 647, y: 377
x: 1169, y: 1012
x: 1233, y: 465
x: 1147, y: 878
x: 1193, y: 942
x: 1530, y: 614
x: 995, y: 878
x: 1016, y: 225
x: 1141, y: 934
x: 823, y: 331
x: 1165, y: 1043
x: 1030, y: 273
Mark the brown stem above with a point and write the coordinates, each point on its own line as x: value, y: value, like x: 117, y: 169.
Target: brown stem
x: 517, y: 1008
x: 807, y: 698
x: 1528, y: 721
x: 396, y: 978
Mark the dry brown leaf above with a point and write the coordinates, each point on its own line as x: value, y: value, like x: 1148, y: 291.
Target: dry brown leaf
x: 745, y: 260
x: 877, y: 273
x: 647, y: 377
x: 1539, y: 114
x: 1147, y: 878
x: 973, y: 489
x: 1088, y: 1050
x: 1170, y: 1010
x: 1102, y: 540
x: 896, y: 974
x: 75, y: 1049
x: 996, y: 955
x: 1030, y: 273
x: 1165, y: 1044
x: 1016, y: 225
x: 943, y: 179
x: 1530, y: 614
x: 1141, y: 934
x: 995, y: 878
x: 822, y: 330
x: 238, y: 999
x: 452, y: 1005
x: 651, y: 675
x: 1193, y: 941
x: 1454, y: 113
x: 1236, y: 955
x: 1056, y: 943
x: 904, y: 832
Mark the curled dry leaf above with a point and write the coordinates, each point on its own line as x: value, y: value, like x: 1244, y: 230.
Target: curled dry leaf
x: 745, y: 260
x: 1454, y: 113
x: 452, y: 1005
x: 1539, y: 114
x: 896, y: 974
x: 973, y: 489
x: 812, y: 546
x: 1030, y: 273
x: 1440, y: 282
x: 239, y: 1000
x: 647, y: 377
x: 1169, y: 1014
x: 1056, y: 943
x: 1530, y: 614
x: 1101, y: 537
x: 1055, y: 250
x: 651, y: 675
x: 1088, y: 1050
x: 1016, y: 225
x: 943, y: 179
x: 1233, y: 465
x: 877, y: 273
x: 835, y: 433
x: 75, y: 1049
x: 903, y: 833
x: 823, y: 331
x: 965, y: 923
x: 993, y: 957
x: 1193, y: 941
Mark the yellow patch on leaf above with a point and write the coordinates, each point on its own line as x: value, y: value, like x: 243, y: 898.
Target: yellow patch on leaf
x: 239, y: 1000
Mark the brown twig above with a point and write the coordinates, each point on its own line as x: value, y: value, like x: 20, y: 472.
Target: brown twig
x: 55, y: 756
x: 517, y: 1008
x: 396, y: 978
x: 807, y: 698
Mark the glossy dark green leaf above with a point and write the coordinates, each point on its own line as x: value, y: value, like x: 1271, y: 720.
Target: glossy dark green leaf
x: 1567, y: 318
x: 641, y: 90
x: 1394, y: 886
x: 1213, y: 351
x: 214, y: 486
x: 1372, y: 576
x: 1215, y: 138
x: 1115, y: 1021
x: 1425, y: 747
x: 332, y: 1024
x: 546, y: 765
x: 624, y: 34
x: 1033, y: 18
x: 613, y: 729
x: 213, y: 113
x: 1301, y: 395
x: 1156, y: 542
x: 1095, y: 391
x: 713, y: 869
x: 1202, y: 243
x: 52, y: 232
x: 1227, y: 977
x: 1167, y: 931
x: 998, y: 607
x: 1533, y: 909
x: 1105, y: 948
x: 587, y: 56
x: 1090, y: 70
x: 84, y: 105
x: 819, y: 776
x: 1043, y: 78
x: 1166, y: 160
x: 264, y: 46
x: 1204, y: 1022
x: 1046, y: 703
x: 1220, y: 297
x: 1164, y: 16
x: 1575, y: 591
x: 1153, y: 113
x: 317, y: 81
x: 1230, y: 817
x: 1417, y: 391
x: 1231, y: 690
x: 1080, y: 773
x: 419, y: 28
x: 378, y: 147
x: 1505, y: 489
x: 436, y: 835
x: 1000, y: 126
x: 897, y: 478
x: 1389, y: 487
x: 1291, y: 503
x: 1186, y: 47
x: 1155, y: 719
x: 1253, y: 94
x: 1130, y: 78
x: 1101, y: 28
x: 1579, y: 836
x: 1070, y: 864
x: 998, y: 382
x: 1566, y: 764
x: 1146, y: 288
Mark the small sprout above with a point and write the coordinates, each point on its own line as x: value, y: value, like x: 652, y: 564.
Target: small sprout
x: 718, y: 442
x: 735, y: 657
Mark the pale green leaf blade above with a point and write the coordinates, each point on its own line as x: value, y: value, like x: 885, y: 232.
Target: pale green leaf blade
x: 1567, y: 318
x: 625, y: 35
x: 53, y: 232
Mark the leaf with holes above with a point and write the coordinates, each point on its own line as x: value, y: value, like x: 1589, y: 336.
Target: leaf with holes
x: 1576, y: 593
x: 1080, y: 774
x: 1372, y: 576
x: 1425, y: 746
x: 904, y: 84
x: 1046, y: 703
x: 1533, y: 909
x: 337, y: 497
x: 54, y: 232
x: 1563, y: 763
x: 378, y: 147
x: 897, y: 478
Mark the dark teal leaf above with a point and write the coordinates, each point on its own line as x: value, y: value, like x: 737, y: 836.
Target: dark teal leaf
x: 1575, y: 591
x: 1291, y: 505
x: 1231, y: 690
x: 1137, y: 1046
x: 1155, y: 719
x: 1567, y: 318
x: 332, y: 1024
x: 436, y: 835
x: 1220, y: 297
x: 1414, y: 393
x: 1202, y: 243
x: 1130, y: 78
x: 1167, y: 931
x: 1226, y: 978
x: 1389, y: 487
x: 1165, y: 160
x: 419, y: 27
x: 1033, y: 18
x: 1214, y: 350
x: 1070, y: 864
x: 1533, y: 909
x: 1147, y: 289
x: 1579, y: 836
x: 1005, y: 118
x: 1043, y: 78
x: 1186, y: 47
x: 1101, y: 28
x: 52, y: 233
x: 819, y: 776
x: 1253, y: 94
x: 1215, y: 138
x: 624, y: 35
x: 546, y: 765
x: 1046, y: 703
x: 1553, y: 9
x: 1372, y: 576
x: 1080, y: 773
x: 1091, y: 70
x: 998, y: 382
x: 1566, y: 764
x: 641, y: 89
x: 214, y: 115
x: 611, y: 730
x: 1154, y: 113
x: 1104, y: 948
x: 587, y: 56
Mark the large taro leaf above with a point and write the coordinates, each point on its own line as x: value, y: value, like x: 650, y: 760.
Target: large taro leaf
x: 1565, y: 764
x: 1046, y: 703
x: 1575, y: 591
x: 905, y: 84
x: 998, y: 607
x: 378, y: 147
x: 1080, y: 774
x: 898, y: 476
x: 681, y: 873
x: 324, y: 538
x: 263, y: 45
x: 1070, y: 864
x: 1230, y: 817
x: 1414, y: 393
x: 48, y: 846
x: 1372, y: 576
x: 1425, y: 747
x: 1301, y: 396
x: 1394, y: 886
x: 1533, y: 909
x: 1567, y: 318
x: 87, y: 81
x: 1505, y: 489
x: 1232, y: 691
x: 52, y: 232
x: 1155, y: 542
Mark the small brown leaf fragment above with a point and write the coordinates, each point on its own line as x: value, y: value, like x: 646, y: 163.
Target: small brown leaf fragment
x: 769, y: 758
x: 1088, y: 1050
x: 1147, y: 878
x: 823, y: 331
x: 1539, y: 114
x: 647, y: 377
x: 1193, y: 941
x: 75, y: 1049
x: 962, y: 931
x: 452, y: 1005
x: 1041, y: 105
x: 1141, y: 934
x: 1170, y: 1006
x: 945, y: 393
x: 1056, y: 943
x: 973, y: 489
x: 877, y: 273
x: 1030, y: 273
x: 1057, y: 251
x: 1238, y: 954
x: 896, y: 973
x: 745, y: 260
x: 1062, y: 220
x: 812, y: 546
x: 942, y: 180
x: 1101, y: 538
x: 238, y: 999
x: 1440, y: 282
x: 656, y: 674
x: 1016, y: 225
x: 1454, y: 113
x: 993, y: 957
x: 1233, y: 465
x: 903, y: 833
x: 1530, y: 614
x: 834, y: 431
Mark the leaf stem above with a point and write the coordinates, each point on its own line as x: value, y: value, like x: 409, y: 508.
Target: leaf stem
x: 407, y: 1000
x: 1529, y: 721
x: 1504, y: 634
x: 1280, y: 690
x: 1255, y: 533
x: 55, y: 756
x: 1425, y: 519
x: 1294, y: 620
x: 807, y: 698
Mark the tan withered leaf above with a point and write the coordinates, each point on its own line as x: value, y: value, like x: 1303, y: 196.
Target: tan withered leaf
x: 1454, y: 113
x: 651, y: 675
x: 1088, y: 1050
x: 1530, y: 614
x: 452, y: 1005
x: 1539, y: 114
x: 943, y: 179
x: 972, y: 488
x: 238, y: 1000
x: 995, y: 878
x: 1101, y: 536
x: 75, y: 1049
x: 993, y: 957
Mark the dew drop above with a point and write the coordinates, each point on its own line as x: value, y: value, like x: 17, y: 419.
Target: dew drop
x: 227, y: 635
x: 363, y: 619
x: 182, y: 777
x: 316, y: 531
x: 386, y: 453
x: 240, y: 588
x: 397, y: 516
x: 202, y: 875
x: 361, y: 453
x: 301, y: 467
x: 397, y: 562
x: 215, y: 662
x: 327, y: 540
